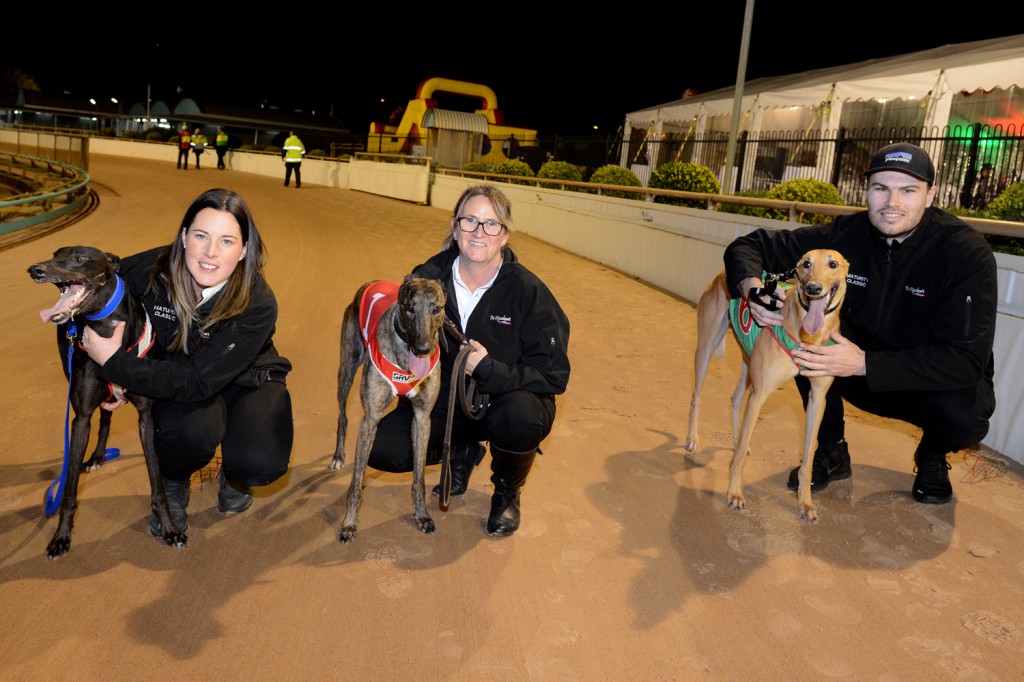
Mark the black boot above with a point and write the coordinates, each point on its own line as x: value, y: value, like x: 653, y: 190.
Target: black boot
x: 931, y: 485
x: 232, y: 498
x: 177, y: 493
x: 508, y: 475
x: 462, y: 459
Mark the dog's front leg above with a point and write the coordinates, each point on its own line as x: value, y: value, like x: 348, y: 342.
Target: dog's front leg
x: 364, y: 443
x: 422, y: 406
x: 815, y: 411
x: 60, y: 544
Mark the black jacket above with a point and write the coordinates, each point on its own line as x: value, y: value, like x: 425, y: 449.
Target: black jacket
x: 924, y: 310
x: 238, y: 351
x: 518, y: 320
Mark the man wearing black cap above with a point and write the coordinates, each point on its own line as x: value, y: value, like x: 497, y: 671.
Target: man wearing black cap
x: 917, y: 325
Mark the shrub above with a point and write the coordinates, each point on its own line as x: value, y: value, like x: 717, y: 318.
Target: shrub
x: 616, y: 175
x: 317, y: 152
x: 809, y: 191
x: 1007, y: 206
x: 476, y: 167
x: 132, y: 135
x: 515, y: 167
x: 560, y: 170
x: 686, y: 177
x: 756, y: 211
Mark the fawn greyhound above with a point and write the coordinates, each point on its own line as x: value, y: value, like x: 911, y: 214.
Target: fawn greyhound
x: 810, y: 312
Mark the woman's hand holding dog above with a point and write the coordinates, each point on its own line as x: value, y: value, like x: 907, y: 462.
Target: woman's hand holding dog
x: 100, y: 349
x: 474, y: 358
x: 841, y: 359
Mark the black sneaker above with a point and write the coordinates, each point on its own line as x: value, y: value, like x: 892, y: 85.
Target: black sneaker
x: 232, y: 498
x: 831, y: 463
x: 931, y: 485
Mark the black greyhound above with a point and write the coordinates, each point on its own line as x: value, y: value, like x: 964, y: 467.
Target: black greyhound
x: 92, y: 294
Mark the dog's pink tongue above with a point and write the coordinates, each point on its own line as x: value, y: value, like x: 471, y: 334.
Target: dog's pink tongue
x: 65, y: 303
x: 418, y: 366
x: 814, y: 320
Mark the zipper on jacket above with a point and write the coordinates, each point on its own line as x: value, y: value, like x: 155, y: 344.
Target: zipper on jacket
x: 887, y: 259
x: 967, y: 316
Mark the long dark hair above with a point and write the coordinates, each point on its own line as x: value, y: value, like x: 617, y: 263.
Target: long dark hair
x: 246, y: 279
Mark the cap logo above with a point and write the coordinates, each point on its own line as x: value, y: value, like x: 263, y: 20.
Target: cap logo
x: 898, y: 157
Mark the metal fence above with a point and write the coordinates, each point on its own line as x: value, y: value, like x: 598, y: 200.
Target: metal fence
x: 765, y: 159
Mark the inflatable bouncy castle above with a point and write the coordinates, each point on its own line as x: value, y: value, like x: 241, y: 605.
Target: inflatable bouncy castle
x: 452, y: 138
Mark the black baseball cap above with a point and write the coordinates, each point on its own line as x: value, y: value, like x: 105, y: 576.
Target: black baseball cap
x: 905, y: 158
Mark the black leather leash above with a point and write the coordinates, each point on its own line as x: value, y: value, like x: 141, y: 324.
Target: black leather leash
x: 473, y: 404
x: 771, y: 283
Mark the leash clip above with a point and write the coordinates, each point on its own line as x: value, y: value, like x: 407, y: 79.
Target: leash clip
x: 771, y: 283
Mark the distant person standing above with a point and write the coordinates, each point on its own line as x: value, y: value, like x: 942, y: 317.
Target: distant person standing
x: 221, y: 146
x: 198, y: 144
x: 984, y: 187
x: 292, y: 153
x: 184, y: 145
x: 511, y: 147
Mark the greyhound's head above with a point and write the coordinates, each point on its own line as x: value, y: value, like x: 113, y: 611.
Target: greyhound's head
x: 83, y: 274
x: 821, y: 277
x: 419, y: 319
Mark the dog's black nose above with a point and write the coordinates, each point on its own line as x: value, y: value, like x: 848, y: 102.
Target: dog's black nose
x: 814, y: 289
x: 36, y: 270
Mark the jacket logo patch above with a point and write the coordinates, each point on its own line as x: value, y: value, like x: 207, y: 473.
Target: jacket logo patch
x: 502, y: 319
x: 915, y: 291
x: 857, y: 280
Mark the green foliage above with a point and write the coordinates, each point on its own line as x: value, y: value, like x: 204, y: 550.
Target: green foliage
x: 686, y: 177
x: 616, y: 175
x: 515, y: 167
x: 560, y: 170
x: 107, y: 131
x: 173, y: 138
x: 317, y: 152
x: 154, y: 136
x: 132, y: 135
x: 476, y: 167
x: 1007, y: 206
x: 809, y: 191
x: 756, y: 211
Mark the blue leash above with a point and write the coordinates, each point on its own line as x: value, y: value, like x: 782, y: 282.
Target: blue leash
x: 53, y: 497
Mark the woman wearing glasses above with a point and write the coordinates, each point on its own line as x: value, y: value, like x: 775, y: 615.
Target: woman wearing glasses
x: 520, y: 337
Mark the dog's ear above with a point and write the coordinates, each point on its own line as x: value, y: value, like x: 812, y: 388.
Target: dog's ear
x: 115, y: 261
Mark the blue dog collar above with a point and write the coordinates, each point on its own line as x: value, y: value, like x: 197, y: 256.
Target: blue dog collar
x: 114, y: 301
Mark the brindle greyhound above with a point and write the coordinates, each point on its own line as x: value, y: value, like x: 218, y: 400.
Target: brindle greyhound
x: 391, y: 331
x: 811, y: 312
x: 92, y: 294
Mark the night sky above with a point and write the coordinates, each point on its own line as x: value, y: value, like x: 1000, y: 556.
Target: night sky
x: 559, y: 73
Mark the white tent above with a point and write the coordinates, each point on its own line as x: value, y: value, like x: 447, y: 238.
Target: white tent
x: 934, y: 76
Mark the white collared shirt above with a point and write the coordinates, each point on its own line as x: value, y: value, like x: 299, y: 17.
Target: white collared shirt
x: 465, y: 298
x: 208, y: 293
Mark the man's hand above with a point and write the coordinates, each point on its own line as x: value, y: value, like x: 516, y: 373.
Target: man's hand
x: 761, y: 315
x: 100, y: 349
x: 843, y: 359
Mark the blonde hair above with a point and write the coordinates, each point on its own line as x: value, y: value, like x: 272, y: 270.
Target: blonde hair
x: 499, y: 202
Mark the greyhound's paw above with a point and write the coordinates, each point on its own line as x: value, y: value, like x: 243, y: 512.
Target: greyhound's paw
x: 808, y: 512
x: 736, y: 501
x: 337, y: 462
x: 58, y: 547
x: 176, y: 539
x: 425, y: 524
x: 93, y: 464
x: 692, y: 444
x: 347, y: 534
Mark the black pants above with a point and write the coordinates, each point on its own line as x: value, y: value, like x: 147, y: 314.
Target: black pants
x: 198, y: 153
x: 183, y: 153
x: 514, y: 422
x: 252, y: 426
x: 288, y: 168
x: 221, y: 151
x: 950, y: 420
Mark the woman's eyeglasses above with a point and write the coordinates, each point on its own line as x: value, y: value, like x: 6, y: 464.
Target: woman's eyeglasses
x: 492, y: 228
